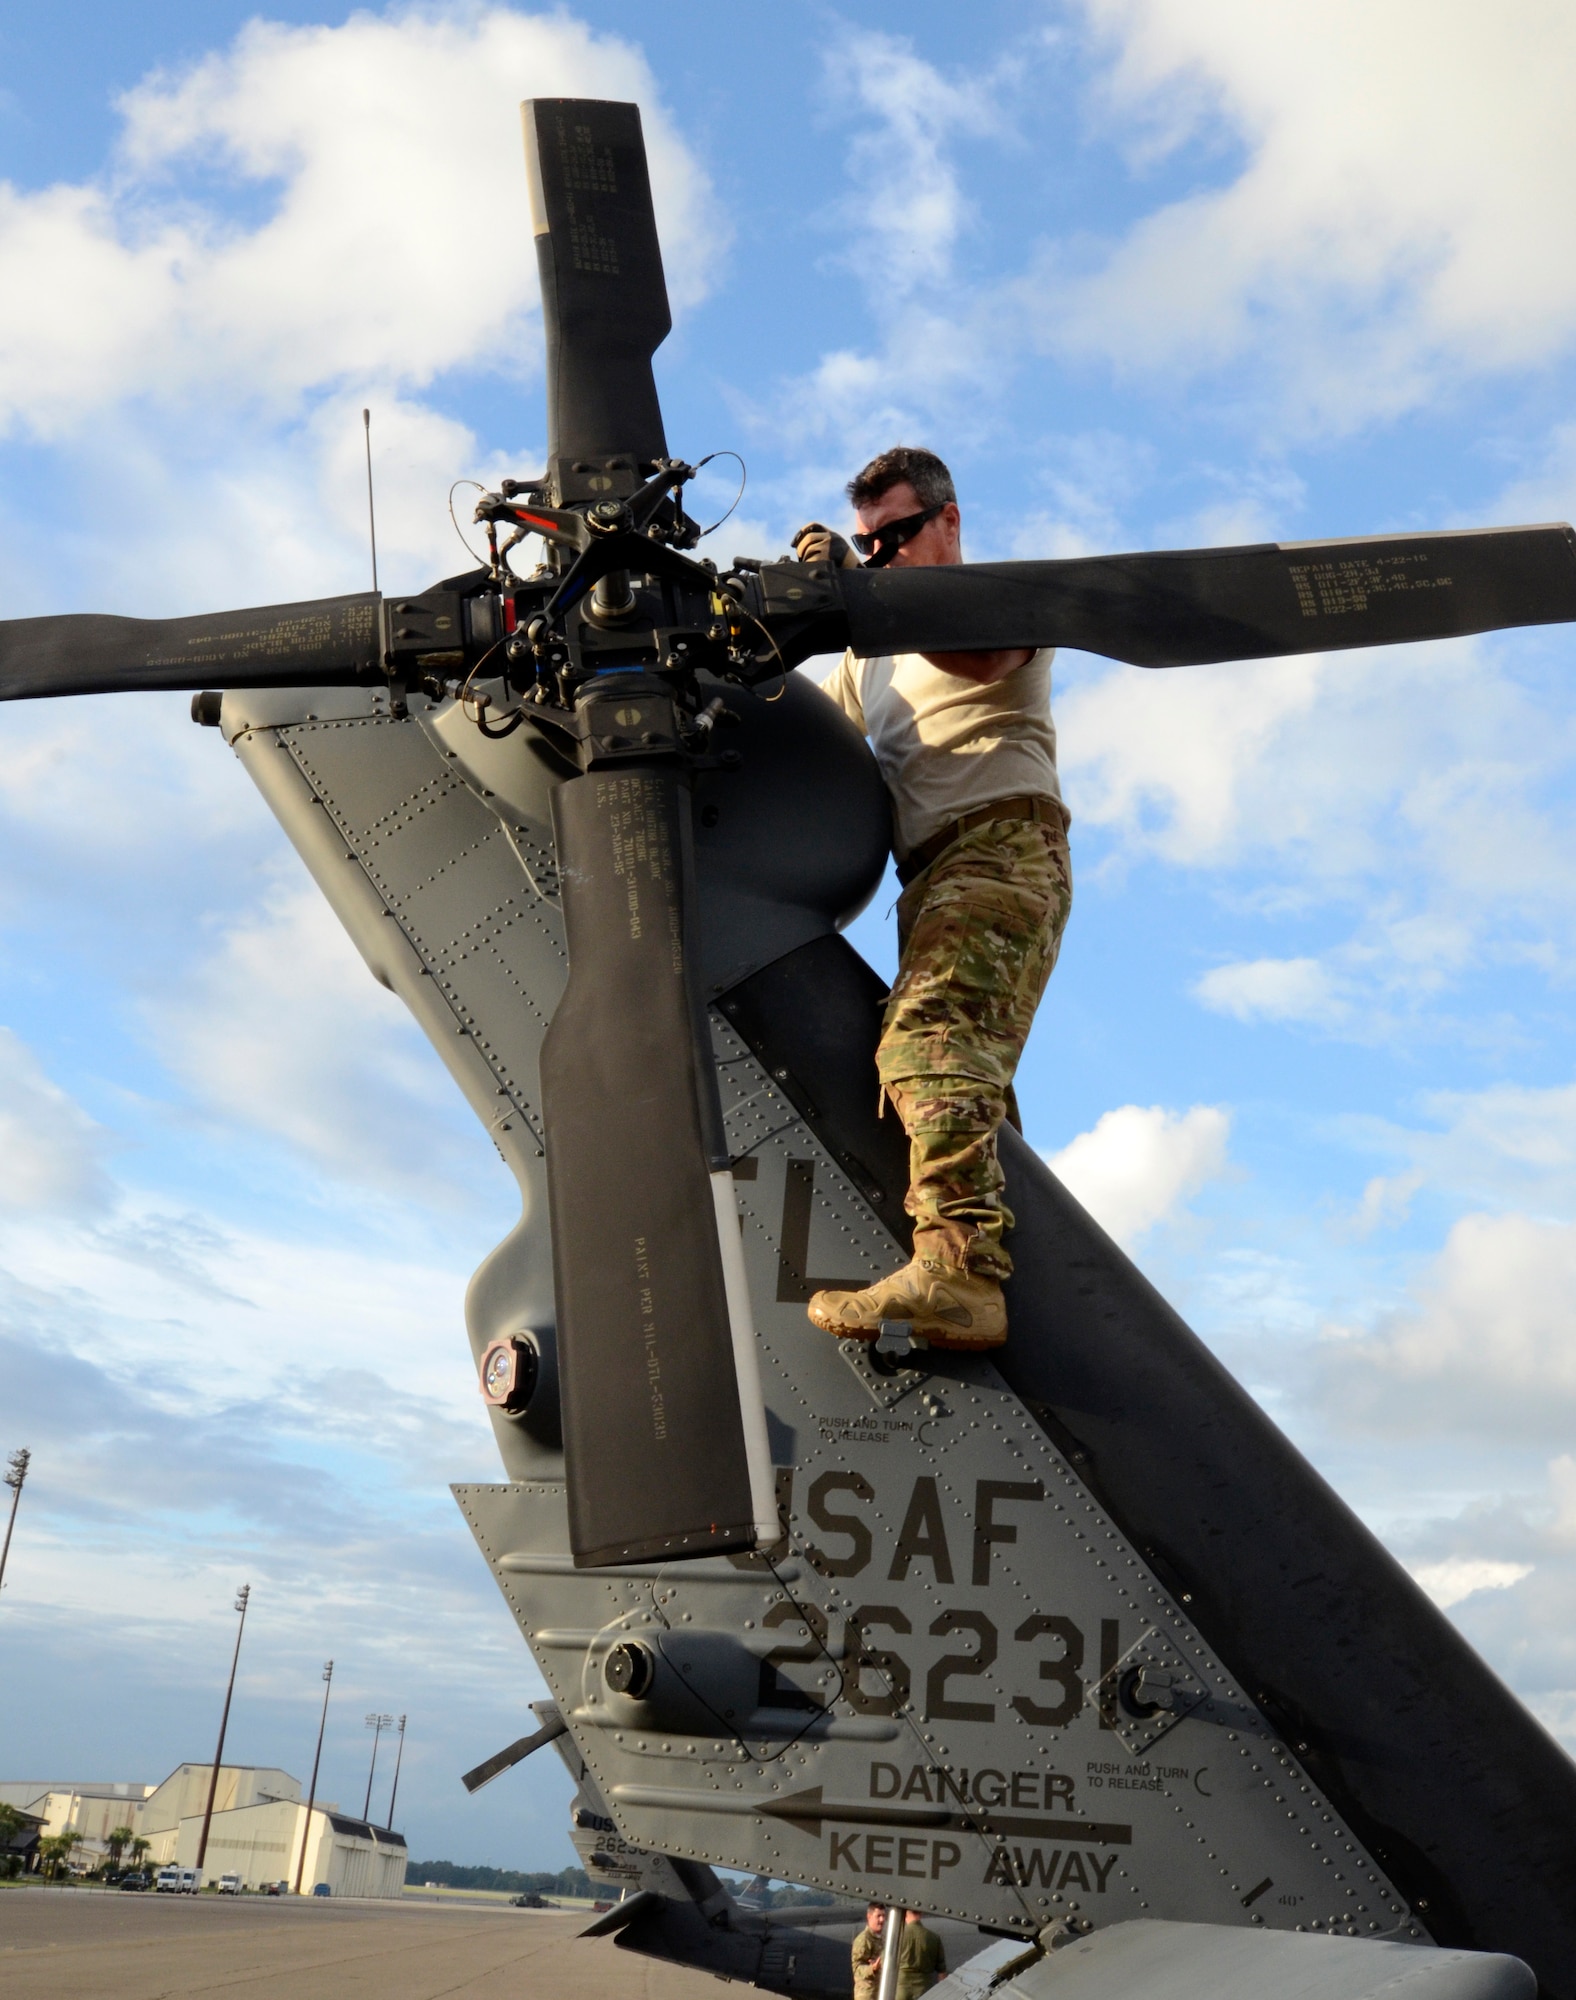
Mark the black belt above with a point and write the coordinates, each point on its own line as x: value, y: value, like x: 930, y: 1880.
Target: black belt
x: 1030, y: 807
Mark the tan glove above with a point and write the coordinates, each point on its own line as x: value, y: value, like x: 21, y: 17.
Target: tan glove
x: 816, y: 543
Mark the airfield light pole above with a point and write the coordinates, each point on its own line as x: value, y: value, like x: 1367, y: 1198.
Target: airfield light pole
x: 399, y: 1758
x: 317, y: 1758
x: 377, y: 1724
x: 15, y: 1478
x: 241, y: 1598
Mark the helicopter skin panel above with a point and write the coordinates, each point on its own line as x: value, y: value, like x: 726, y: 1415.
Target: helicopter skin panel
x: 1362, y: 1676
x: 1078, y: 1634
x: 1162, y: 1961
x: 1069, y: 1652
x: 680, y: 1911
x: 953, y: 1680
x: 1188, y: 607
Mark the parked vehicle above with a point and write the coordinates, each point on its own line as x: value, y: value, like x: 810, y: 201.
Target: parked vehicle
x: 167, y: 1882
x: 136, y: 1878
x: 229, y: 1885
x: 530, y: 1901
x: 276, y: 1889
x: 322, y: 1889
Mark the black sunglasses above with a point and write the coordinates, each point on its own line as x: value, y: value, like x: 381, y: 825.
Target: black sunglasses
x: 880, y: 547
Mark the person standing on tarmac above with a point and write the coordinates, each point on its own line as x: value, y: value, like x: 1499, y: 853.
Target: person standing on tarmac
x: 967, y: 747
x: 867, y: 1954
x: 921, y: 1960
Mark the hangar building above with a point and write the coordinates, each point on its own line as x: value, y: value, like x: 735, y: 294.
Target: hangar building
x: 259, y: 1823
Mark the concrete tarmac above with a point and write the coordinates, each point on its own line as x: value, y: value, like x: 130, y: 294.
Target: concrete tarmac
x: 68, y: 1945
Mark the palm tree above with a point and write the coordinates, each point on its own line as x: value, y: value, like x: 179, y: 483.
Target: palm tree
x: 139, y: 1848
x: 116, y: 1841
x: 12, y: 1821
x: 54, y: 1850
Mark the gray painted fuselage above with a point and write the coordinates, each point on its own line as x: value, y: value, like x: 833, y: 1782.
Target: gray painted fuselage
x: 976, y: 1675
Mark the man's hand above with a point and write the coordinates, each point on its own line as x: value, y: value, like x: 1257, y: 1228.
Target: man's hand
x: 816, y: 543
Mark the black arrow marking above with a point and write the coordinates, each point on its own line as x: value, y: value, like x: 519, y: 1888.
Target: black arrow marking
x: 810, y: 1809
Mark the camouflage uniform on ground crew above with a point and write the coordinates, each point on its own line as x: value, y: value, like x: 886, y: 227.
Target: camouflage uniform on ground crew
x: 966, y: 745
x: 921, y: 1960
x: 866, y: 1957
x: 978, y: 934
x: 978, y: 929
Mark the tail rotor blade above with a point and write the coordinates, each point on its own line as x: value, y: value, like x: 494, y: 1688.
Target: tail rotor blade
x: 330, y: 642
x: 1187, y: 607
x: 659, y: 1460
x: 604, y: 299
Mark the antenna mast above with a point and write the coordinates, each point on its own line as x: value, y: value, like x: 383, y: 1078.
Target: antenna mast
x: 372, y: 519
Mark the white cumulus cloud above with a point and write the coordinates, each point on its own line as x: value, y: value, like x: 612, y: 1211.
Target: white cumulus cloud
x: 283, y: 1029
x: 1483, y: 1346
x: 1420, y: 797
x: 1460, y: 1577
x: 908, y: 206
x: 1363, y: 225
x: 1377, y: 212
x: 386, y: 155
x: 1507, y: 1147
x: 306, y: 222
x: 1141, y: 1163
x: 1171, y: 759
x: 50, y: 1150
x: 1271, y: 989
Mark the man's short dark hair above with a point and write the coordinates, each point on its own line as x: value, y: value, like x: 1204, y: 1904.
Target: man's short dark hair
x: 904, y: 464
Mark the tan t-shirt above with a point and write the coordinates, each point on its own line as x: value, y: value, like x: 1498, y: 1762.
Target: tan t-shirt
x: 947, y: 745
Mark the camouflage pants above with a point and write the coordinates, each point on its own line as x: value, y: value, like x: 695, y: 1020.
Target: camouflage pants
x: 978, y: 934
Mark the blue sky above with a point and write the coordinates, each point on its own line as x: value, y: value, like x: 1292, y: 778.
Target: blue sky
x: 1148, y: 273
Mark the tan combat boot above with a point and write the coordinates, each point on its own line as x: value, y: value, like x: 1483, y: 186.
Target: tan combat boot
x: 960, y: 1311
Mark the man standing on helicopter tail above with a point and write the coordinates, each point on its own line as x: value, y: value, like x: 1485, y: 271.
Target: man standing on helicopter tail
x: 967, y: 747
